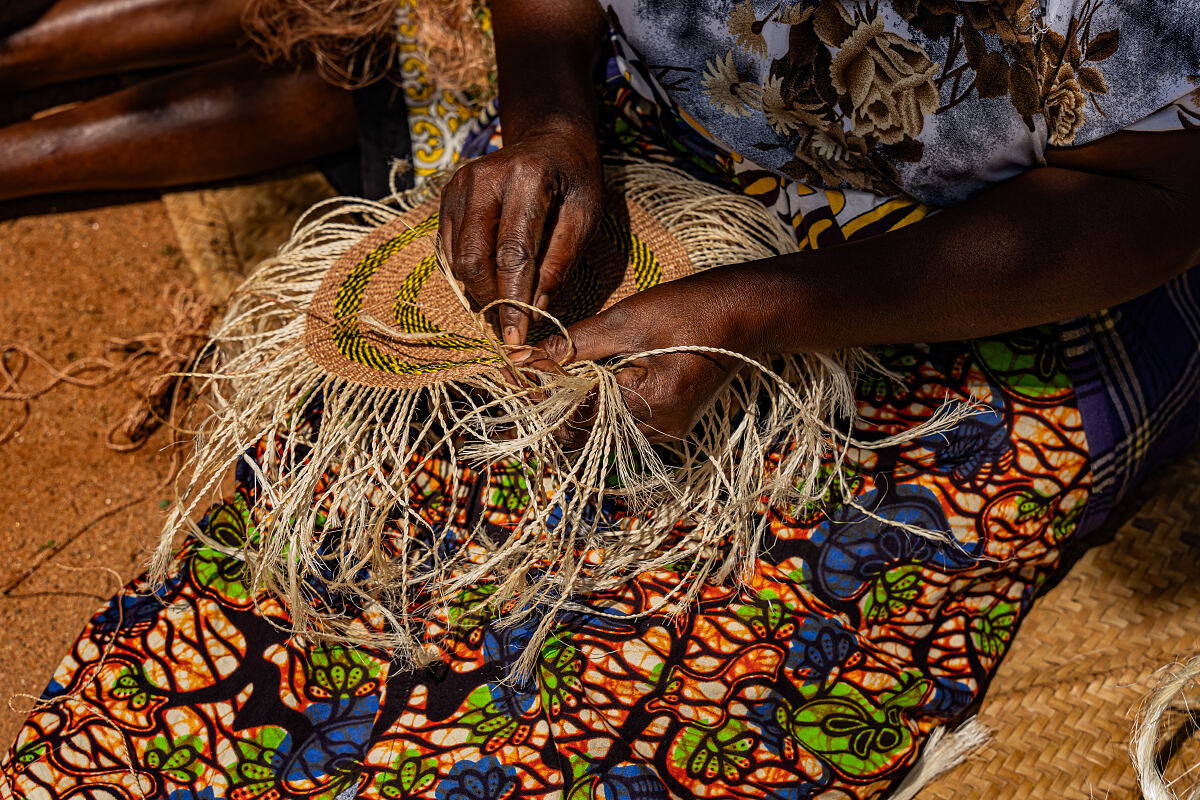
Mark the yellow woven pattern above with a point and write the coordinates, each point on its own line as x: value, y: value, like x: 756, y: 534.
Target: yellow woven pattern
x: 585, y: 300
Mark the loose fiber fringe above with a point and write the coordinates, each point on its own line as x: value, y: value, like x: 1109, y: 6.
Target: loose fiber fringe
x: 943, y: 751
x: 383, y: 558
x: 355, y: 42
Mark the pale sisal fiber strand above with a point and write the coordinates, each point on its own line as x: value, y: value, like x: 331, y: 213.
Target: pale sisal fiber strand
x: 1170, y: 695
x: 387, y: 560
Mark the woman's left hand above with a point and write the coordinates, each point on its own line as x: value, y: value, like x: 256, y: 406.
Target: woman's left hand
x: 667, y: 393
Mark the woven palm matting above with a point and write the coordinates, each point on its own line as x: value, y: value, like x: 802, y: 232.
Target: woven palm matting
x: 1090, y: 651
x: 225, y: 229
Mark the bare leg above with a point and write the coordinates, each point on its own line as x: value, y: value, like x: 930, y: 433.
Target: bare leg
x: 215, y: 121
x: 85, y: 38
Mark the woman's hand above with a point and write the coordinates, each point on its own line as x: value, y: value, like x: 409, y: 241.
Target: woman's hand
x: 667, y: 393
x: 514, y: 221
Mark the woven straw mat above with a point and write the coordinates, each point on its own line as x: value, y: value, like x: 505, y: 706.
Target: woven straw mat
x: 226, y: 228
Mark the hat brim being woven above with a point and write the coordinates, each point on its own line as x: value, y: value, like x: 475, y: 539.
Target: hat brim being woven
x: 386, y: 316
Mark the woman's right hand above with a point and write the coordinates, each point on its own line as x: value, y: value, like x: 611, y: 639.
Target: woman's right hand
x: 513, y: 222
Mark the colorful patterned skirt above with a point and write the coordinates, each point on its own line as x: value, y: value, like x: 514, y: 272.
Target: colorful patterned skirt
x: 822, y: 676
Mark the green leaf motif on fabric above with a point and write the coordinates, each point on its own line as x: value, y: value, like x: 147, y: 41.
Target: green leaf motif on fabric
x: 333, y: 671
x: 992, y: 629
x: 1027, y: 363
x: 1032, y: 505
x: 489, y: 723
x: 470, y: 607
x: 410, y: 775
x: 857, y: 738
x: 178, y: 760
x: 767, y: 618
x: 584, y: 781
x: 259, y: 761
x: 837, y: 487
x: 559, y: 671
x: 892, y: 593
x: 1065, y: 523
x: 511, y: 490
x: 29, y: 753
x: 132, y: 688
x: 901, y: 365
x: 715, y: 754
x: 230, y: 526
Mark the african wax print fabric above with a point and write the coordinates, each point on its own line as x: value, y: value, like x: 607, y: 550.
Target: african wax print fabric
x: 852, y: 640
x: 850, y: 117
x: 821, y: 678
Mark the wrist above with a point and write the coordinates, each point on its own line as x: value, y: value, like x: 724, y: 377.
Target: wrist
x: 571, y: 126
x: 759, y: 306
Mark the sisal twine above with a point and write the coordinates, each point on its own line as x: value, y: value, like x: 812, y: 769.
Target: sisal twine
x: 147, y: 363
x: 150, y: 365
x: 353, y: 43
x: 335, y: 524
x: 1144, y: 748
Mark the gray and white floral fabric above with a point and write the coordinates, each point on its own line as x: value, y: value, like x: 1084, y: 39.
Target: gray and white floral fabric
x: 932, y: 99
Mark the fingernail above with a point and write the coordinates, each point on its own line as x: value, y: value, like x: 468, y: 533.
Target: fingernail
x: 511, y: 335
x: 542, y: 301
x: 520, y: 355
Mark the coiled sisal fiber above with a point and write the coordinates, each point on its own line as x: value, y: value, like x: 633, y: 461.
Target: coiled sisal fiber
x: 359, y: 314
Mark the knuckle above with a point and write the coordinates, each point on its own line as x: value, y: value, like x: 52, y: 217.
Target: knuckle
x: 513, y: 256
x: 458, y: 184
x: 470, y: 264
x: 550, y: 279
x: 619, y: 318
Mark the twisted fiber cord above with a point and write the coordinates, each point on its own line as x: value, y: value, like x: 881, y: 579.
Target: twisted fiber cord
x: 1171, y: 695
x: 150, y: 359
x: 353, y: 43
x: 155, y: 362
x: 376, y: 452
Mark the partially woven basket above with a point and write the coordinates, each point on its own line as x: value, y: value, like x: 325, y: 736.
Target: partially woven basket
x: 359, y: 312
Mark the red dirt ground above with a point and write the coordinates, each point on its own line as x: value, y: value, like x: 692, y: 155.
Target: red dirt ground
x: 70, y: 280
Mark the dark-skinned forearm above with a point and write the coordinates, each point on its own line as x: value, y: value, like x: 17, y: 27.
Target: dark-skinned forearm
x: 1047, y: 245
x: 546, y: 53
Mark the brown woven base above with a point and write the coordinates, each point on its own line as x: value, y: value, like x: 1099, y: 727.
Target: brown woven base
x: 1063, y: 701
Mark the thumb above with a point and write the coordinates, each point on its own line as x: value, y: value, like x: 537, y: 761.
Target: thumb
x: 592, y: 339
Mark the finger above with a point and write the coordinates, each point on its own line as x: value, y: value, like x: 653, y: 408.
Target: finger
x: 518, y: 242
x: 538, y: 360
x: 592, y: 339
x: 633, y: 382
x: 474, y: 231
x: 574, y: 434
x: 446, y: 228
x: 569, y: 234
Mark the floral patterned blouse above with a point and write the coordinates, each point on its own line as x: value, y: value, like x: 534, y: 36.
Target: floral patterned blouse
x: 933, y: 99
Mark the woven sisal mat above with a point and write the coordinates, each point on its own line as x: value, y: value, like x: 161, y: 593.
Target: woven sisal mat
x: 225, y: 229
x: 1061, y: 705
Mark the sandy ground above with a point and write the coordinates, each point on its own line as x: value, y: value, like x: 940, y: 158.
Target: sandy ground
x: 70, y: 280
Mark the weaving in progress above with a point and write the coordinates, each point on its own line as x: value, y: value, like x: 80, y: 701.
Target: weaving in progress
x: 413, y: 558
